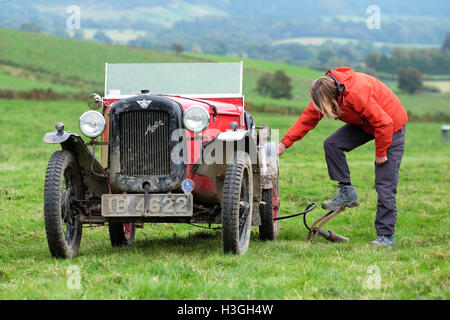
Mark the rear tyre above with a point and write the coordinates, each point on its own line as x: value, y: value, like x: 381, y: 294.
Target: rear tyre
x: 270, y: 209
x: 62, y: 218
x: 237, y: 206
x: 121, y: 234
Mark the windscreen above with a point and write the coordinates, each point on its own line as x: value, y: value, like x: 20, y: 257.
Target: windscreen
x: 195, y: 79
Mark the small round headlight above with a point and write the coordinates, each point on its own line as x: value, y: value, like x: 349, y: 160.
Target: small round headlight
x: 92, y: 124
x: 196, y: 119
x: 94, y: 101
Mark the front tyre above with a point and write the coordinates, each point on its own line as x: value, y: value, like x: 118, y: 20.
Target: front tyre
x: 62, y: 217
x: 237, y: 206
x: 121, y: 234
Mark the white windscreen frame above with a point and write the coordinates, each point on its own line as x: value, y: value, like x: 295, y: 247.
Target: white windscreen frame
x: 206, y: 79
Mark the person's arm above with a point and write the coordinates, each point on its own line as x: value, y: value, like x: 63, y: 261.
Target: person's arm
x: 368, y: 108
x: 307, y: 121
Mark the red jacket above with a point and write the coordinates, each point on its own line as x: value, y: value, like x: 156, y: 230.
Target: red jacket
x: 367, y: 103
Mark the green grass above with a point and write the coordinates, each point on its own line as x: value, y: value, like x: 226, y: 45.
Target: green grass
x: 11, y: 82
x: 426, y: 103
x: 173, y: 261
x: 69, y: 61
x: 263, y: 66
x: 177, y: 261
x: 37, y: 56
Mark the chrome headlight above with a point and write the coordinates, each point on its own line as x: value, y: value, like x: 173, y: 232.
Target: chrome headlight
x: 92, y: 124
x: 94, y: 101
x: 196, y: 119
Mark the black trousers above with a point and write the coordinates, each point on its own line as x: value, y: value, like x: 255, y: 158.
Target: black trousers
x: 348, y: 138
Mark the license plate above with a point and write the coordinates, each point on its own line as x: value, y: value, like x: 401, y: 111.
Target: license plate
x: 159, y: 205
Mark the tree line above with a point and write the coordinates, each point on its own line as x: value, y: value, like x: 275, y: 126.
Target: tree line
x: 430, y: 61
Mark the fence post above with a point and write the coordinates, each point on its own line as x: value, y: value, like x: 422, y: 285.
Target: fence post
x: 445, y: 129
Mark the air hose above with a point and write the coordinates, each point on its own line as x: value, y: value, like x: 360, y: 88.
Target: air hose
x: 309, y: 208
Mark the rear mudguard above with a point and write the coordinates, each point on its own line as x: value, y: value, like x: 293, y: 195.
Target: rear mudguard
x: 95, y: 178
x: 269, y: 165
x: 213, y: 164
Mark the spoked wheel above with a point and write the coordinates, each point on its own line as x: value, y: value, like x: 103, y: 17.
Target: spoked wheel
x: 62, y: 218
x: 121, y: 234
x: 237, y: 206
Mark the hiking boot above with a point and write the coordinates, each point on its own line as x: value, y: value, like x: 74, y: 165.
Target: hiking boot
x: 384, y: 241
x: 346, y: 197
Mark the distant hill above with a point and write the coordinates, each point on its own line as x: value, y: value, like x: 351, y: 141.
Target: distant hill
x: 403, y: 21
x: 166, y: 12
x: 273, y: 30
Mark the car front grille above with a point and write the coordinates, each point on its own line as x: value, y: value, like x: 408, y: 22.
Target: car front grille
x: 145, y: 143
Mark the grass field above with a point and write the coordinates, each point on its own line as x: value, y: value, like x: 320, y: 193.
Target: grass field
x: 37, y: 61
x: 443, y: 86
x: 317, y: 41
x: 68, y: 61
x: 177, y: 261
x: 11, y: 82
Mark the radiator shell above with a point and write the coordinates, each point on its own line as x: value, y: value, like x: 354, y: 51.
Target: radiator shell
x: 141, y: 144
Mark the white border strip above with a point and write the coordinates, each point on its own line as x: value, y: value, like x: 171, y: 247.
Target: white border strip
x: 106, y: 78
x: 180, y: 95
x: 242, y: 77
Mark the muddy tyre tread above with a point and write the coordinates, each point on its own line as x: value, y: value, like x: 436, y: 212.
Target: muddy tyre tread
x: 231, y: 196
x: 266, y: 231
x: 52, y: 213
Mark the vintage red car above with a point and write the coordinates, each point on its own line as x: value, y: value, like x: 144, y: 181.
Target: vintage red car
x: 176, y: 146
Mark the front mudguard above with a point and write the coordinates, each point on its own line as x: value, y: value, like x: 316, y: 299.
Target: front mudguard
x: 56, y: 137
x: 217, y: 153
x: 94, y: 176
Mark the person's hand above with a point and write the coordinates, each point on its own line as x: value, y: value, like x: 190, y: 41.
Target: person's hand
x: 380, y: 160
x: 281, y: 148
